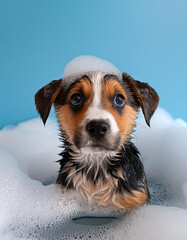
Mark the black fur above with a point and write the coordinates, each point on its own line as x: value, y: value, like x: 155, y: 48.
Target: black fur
x: 128, y: 161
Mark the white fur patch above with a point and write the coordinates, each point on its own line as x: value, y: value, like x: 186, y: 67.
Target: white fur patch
x: 92, y: 159
x: 96, y: 111
x: 96, y: 79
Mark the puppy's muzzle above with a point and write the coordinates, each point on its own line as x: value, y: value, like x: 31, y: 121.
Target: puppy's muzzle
x: 97, y: 129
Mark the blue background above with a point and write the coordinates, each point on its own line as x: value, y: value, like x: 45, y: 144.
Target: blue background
x: 146, y: 38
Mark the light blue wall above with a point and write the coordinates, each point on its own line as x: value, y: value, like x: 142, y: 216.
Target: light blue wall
x: 146, y: 38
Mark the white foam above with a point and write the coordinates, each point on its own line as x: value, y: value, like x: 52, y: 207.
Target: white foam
x: 164, y: 152
x: 30, y: 210
x: 34, y: 146
x: 84, y: 64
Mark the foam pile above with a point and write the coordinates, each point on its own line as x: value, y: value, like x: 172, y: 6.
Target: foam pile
x: 83, y: 64
x: 33, y: 146
x: 32, y: 207
x: 31, y: 210
x: 164, y: 152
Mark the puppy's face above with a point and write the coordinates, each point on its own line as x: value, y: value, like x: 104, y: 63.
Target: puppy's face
x: 96, y: 111
x: 95, y: 114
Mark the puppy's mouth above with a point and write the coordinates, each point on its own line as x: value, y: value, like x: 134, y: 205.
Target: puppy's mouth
x: 90, y: 145
x: 94, y: 148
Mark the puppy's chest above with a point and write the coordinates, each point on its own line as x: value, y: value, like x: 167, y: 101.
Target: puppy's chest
x: 104, y: 188
x: 94, y: 184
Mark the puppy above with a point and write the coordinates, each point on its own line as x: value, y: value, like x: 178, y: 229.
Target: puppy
x: 96, y: 114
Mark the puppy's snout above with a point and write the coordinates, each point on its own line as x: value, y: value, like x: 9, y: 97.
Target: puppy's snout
x: 97, y: 128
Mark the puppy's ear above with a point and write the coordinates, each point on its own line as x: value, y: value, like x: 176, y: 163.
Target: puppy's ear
x: 144, y: 96
x: 45, y: 97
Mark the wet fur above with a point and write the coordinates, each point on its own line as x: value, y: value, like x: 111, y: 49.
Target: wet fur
x: 116, y: 177
x: 118, y: 181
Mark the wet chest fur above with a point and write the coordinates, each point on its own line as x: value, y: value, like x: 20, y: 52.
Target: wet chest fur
x: 119, y: 182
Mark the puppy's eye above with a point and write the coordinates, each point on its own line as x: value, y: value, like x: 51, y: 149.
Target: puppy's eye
x: 119, y: 100
x: 76, y: 99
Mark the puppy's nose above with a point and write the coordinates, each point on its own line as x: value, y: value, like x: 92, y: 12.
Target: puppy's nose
x: 97, y: 129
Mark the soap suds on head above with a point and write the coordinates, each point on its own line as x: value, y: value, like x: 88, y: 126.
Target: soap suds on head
x: 30, y: 210
x: 84, y: 64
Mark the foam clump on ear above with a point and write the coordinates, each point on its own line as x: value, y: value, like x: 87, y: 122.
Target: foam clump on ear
x: 30, y: 210
x: 84, y: 64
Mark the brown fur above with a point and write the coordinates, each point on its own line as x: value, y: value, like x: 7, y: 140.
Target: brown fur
x: 68, y: 122
x: 146, y: 96
x: 45, y: 97
x: 126, y: 121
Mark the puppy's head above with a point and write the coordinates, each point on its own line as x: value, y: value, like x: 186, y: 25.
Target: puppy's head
x: 97, y: 111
